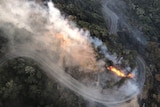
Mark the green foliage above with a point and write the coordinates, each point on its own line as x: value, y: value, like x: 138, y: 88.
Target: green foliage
x: 146, y: 13
x: 22, y: 84
x: 88, y: 14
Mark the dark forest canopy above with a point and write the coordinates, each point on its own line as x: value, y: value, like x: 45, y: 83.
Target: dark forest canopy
x: 23, y: 83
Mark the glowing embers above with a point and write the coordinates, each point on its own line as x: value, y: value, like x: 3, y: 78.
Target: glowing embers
x: 119, y: 72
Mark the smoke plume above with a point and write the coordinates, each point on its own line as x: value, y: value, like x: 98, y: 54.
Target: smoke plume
x: 114, y: 12
x: 43, y: 34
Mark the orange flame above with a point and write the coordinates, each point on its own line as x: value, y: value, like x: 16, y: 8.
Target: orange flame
x: 119, y: 72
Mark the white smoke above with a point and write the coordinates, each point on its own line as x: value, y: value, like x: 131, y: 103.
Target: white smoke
x: 114, y: 12
x: 47, y: 30
x: 48, y: 38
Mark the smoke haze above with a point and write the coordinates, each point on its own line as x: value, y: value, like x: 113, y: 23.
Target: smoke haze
x: 114, y: 12
x: 44, y: 35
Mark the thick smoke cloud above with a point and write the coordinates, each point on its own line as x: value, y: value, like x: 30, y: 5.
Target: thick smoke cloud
x: 65, y: 40
x: 47, y: 37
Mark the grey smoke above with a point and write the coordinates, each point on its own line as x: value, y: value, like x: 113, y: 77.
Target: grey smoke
x: 110, y: 17
x: 48, y: 38
x: 115, y: 15
x: 104, y: 50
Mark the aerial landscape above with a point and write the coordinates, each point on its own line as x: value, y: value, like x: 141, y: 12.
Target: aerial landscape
x: 79, y: 53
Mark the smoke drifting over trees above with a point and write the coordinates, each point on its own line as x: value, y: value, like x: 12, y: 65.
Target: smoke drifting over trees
x: 63, y: 51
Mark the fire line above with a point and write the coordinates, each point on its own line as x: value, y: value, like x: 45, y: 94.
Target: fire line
x: 119, y: 72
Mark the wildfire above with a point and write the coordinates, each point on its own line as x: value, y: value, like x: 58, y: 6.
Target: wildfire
x: 64, y: 41
x: 119, y: 72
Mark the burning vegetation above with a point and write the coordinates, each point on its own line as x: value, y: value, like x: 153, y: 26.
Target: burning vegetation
x: 119, y: 72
